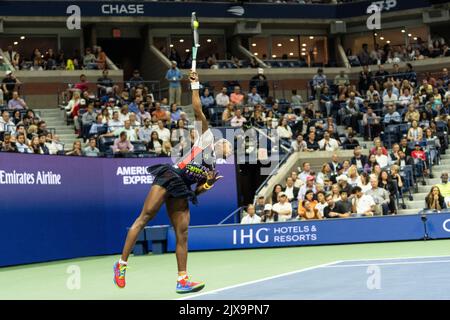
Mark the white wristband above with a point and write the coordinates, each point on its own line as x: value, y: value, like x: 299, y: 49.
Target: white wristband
x: 195, y: 85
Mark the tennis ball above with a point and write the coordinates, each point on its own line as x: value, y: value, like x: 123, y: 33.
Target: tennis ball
x: 195, y: 24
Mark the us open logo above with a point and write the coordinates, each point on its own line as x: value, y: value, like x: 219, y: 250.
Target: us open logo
x: 237, y: 11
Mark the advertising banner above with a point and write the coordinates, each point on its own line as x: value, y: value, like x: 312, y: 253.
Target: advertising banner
x: 303, y: 233
x: 203, y: 9
x: 55, y: 207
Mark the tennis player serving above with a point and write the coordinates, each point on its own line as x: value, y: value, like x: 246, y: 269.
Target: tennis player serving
x: 172, y: 186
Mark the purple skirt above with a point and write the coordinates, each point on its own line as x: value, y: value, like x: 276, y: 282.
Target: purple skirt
x: 170, y: 179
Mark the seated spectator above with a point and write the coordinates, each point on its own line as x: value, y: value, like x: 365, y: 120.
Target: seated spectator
x: 160, y: 113
x: 311, y: 143
x: 260, y: 82
x: 290, y: 190
x: 308, y: 186
x: 342, y: 181
x: 362, y: 205
x: 254, y: 98
x: 122, y: 145
x: 251, y: 217
x: 269, y: 215
x: 372, y: 94
x: 359, y: 160
x: 415, y: 133
x: 166, y: 149
x: 115, y: 123
x: 130, y: 132
x: 380, y: 197
x: 296, y: 99
x: 330, y: 210
x: 305, y: 172
x: 350, y: 142
x: 275, y: 193
x: 343, y: 207
x: 412, y: 114
x: 222, y: 99
x: 237, y: 98
x: 309, y: 197
x: 420, y: 159
x: 17, y: 103
x: 145, y: 131
x: 100, y: 58
x: 82, y: 85
x: 155, y: 145
x: 238, y: 120
x: 21, y: 144
x: 365, y: 182
x: 6, y: 124
x: 76, y: 149
x: 310, y: 212
x: 435, y: 200
x: 444, y: 187
x: 98, y: 127
x: 228, y: 114
x: 207, y: 100
x: 298, y: 145
x: 53, y: 144
x: 133, y: 107
x: 42, y: 143
x: 381, y: 158
x: 321, y: 203
x: 353, y: 177
x: 387, y: 184
x: 390, y: 98
x: 341, y: 80
x: 378, y: 143
x: 135, y: 124
x: 319, y: 81
x: 406, y: 98
x: 259, y: 207
x: 284, y: 131
x: 392, y: 116
x: 297, y: 182
x: 371, y: 123
x: 328, y: 143
x: 324, y: 174
x: 89, y: 117
x: 8, y: 144
x: 89, y: 60
x: 91, y: 150
x: 163, y: 132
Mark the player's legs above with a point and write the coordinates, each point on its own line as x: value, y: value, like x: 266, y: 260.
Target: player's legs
x: 178, y: 211
x: 152, y: 204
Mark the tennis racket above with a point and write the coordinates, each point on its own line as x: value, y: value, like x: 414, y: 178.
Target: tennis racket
x: 194, y: 26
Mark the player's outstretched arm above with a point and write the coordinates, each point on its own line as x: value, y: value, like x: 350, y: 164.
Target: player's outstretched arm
x: 213, y: 177
x: 196, y: 102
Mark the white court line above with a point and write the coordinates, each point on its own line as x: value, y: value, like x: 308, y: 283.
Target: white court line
x: 260, y: 280
x: 401, y: 258
x: 384, y: 264
x: 325, y: 265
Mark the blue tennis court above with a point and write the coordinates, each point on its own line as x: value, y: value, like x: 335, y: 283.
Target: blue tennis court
x: 405, y: 278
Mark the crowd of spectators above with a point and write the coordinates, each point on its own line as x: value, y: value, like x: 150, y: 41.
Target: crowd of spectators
x: 39, y: 60
x: 127, y: 121
x: 21, y: 129
x: 390, y: 54
x: 406, y: 115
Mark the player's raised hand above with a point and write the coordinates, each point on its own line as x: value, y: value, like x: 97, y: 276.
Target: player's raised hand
x: 213, y: 177
x: 193, y: 76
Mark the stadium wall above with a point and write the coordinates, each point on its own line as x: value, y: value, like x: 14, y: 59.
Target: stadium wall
x: 55, y: 207
x: 318, y: 232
